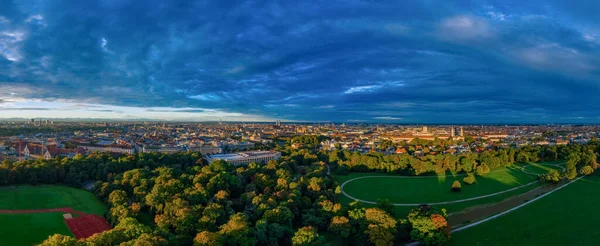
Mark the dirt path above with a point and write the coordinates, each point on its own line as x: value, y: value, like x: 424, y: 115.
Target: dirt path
x: 49, y: 210
x: 457, y: 219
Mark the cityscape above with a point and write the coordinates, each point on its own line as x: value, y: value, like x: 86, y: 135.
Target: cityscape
x: 299, y: 123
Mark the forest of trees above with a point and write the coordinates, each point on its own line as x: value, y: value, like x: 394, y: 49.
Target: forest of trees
x: 180, y: 199
x: 188, y: 201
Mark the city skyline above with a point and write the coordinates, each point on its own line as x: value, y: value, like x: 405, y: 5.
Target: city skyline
x: 333, y: 61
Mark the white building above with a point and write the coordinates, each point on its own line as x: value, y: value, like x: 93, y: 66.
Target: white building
x: 244, y: 158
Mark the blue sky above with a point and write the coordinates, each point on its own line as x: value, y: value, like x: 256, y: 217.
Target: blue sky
x: 354, y: 61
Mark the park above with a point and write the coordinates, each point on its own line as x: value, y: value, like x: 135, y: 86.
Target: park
x: 407, y: 192
x: 574, y: 201
x: 29, y: 214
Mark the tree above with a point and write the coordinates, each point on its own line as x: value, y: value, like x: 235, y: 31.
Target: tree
x: 147, y: 240
x: 429, y: 226
x: 381, y: 226
x: 58, y: 239
x: 386, y: 205
x: 307, y: 236
x: 207, y: 238
x: 340, y: 225
x: 482, y: 170
x: 469, y: 179
x: 237, y: 231
x: 586, y: 170
x: 117, y: 197
x: 571, y: 166
x: 280, y: 215
x: 552, y: 177
x: 132, y: 228
x: 456, y: 186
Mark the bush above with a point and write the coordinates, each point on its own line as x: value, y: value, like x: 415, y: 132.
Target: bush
x: 456, y: 186
x: 470, y: 179
x: 586, y: 170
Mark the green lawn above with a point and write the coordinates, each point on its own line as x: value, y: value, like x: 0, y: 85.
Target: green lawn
x: 535, y: 168
x: 402, y: 189
x: 431, y: 189
x: 29, y: 229
x: 40, y: 197
x: 565, y: 217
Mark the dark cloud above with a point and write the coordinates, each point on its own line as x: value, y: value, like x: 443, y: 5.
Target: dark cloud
x: 392, y: 61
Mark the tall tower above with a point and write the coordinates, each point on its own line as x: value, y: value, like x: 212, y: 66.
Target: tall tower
x: 461, y: 132
x: 451, y: 131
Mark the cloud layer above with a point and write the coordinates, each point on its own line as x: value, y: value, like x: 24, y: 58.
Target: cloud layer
x: 356, y: 61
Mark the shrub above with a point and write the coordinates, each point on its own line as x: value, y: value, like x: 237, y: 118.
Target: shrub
x: 456, y: 186
x: 470, y: 179
x: 586, y: 170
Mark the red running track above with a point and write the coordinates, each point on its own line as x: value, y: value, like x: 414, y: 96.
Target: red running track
x: 87, y: 225
x: 83, y: 226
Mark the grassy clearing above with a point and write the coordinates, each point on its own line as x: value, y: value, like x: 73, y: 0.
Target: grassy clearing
x: 431, y: 189
x: 437, y: 188
x: 565, y: 217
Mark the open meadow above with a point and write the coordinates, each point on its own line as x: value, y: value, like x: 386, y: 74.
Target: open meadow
x: 566, y: 217
x: 499, y: 184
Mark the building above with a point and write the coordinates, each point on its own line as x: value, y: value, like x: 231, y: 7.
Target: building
x: 112, y: 148
x: 161, y: 149
x: 245, y: 158
x: 207, y: 149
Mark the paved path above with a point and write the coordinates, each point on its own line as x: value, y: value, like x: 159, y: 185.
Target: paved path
x: 48, y: 210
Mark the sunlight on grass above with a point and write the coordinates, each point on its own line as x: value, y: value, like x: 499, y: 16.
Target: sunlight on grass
x: 508, y: 176
x: 441, y: 179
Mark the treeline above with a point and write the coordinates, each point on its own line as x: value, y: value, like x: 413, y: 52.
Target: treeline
x: 343, y: 161
x: 95, y: 166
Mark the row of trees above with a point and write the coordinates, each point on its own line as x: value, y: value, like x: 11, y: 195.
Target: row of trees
x: 478, y: 163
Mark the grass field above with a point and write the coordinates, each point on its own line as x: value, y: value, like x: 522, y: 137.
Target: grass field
x: 402, y: 189
x: 565, y: 217
x: 29, y: 229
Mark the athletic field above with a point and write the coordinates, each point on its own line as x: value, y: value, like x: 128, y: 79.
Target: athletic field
x: 31, y: 228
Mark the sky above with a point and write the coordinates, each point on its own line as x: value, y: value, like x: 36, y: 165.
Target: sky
x: 383, y: 61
